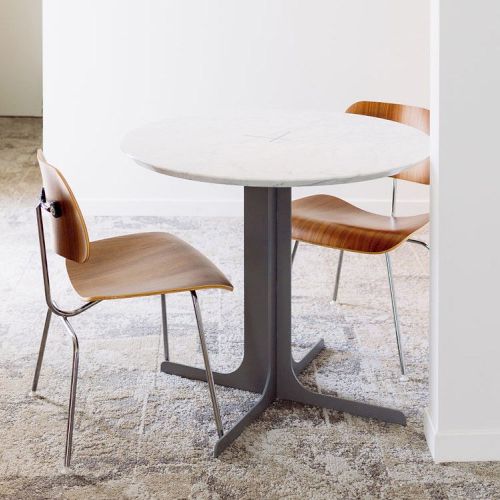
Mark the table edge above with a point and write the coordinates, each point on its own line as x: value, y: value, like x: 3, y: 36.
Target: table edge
x: 210, y: 179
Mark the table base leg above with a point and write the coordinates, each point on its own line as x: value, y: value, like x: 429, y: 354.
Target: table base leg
x: 268, y: 367
x: 238, y: 379
x: 241, y: 378
x: 290, y: 388
x: 300, y: 366
x: 267, y: 398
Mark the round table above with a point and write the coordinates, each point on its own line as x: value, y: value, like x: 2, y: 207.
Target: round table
x: 268, y: 153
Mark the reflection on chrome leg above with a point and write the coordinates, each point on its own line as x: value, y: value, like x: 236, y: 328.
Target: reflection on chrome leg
x: 337, y: 277
x: 41, y: 351
x: 210, y: 377
x: 395, y: 314
x: 72, y: 394
x: 294, y: 251
x: 164, y: 325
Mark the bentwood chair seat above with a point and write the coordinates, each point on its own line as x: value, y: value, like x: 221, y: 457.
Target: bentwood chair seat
x: 329, y: 221
x: 135, y: 265
x: 143, y: 264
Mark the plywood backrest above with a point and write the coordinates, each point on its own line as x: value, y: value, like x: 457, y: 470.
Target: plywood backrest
x: 70, y: 236
x: 409, y: 115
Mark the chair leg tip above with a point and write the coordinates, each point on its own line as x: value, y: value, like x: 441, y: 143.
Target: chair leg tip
x: 404, y: 378
x: 66, y: 470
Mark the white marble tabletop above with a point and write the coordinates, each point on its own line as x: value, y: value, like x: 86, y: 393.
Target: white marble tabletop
x: 277, y: 149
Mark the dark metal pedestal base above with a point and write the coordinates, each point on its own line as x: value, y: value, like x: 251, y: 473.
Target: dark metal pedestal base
x: 268, y: 367
x: 238, y: 379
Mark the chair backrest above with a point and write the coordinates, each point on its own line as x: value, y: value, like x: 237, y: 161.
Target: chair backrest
x: 71, y: 239
x: 409, y: 115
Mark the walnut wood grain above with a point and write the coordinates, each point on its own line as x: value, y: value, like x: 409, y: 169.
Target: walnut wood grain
x: 125, y: 266
x: 143, y: 264
x: 409, y: 115
x: 70, y: 236
x: 331, y: 222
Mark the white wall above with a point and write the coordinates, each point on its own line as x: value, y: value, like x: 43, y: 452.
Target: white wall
x: 112, y: 65
x: 20, y: 57
x: 463, y: 420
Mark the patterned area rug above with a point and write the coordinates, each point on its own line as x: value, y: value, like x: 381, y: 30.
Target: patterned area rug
x: 143, y: 434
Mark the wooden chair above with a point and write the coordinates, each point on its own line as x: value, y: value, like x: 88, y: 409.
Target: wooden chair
x: 331, y: 222
x: 135, y: 265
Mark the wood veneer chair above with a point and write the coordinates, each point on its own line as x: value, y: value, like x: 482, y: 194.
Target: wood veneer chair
x: 332, y: 222
x: 135, y: 265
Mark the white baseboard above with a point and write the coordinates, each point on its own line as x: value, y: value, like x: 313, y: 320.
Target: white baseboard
x: 212, y: 208
x: 167, y: 207
x: 470, y: 446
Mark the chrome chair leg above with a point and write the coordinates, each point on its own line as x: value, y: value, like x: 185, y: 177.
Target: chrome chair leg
x: 337, y: 277
x: 395, y: 314
x: 72, y: 394
x: 210, y: 377
x: 164, y: 326
x: 294, y: 251
x: 41, y: 351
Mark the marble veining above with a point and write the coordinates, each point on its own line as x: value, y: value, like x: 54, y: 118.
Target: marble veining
x: 277, y: 149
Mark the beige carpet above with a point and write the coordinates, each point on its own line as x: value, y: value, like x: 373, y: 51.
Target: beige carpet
x: 142, y: 434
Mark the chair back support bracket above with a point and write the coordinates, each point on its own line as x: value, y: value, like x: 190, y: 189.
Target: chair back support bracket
x: 54, y: 208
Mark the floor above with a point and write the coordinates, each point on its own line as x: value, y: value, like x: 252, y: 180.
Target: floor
x: 142, y: 434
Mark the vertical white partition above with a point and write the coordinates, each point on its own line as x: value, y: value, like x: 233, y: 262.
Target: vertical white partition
x: 463, y: 420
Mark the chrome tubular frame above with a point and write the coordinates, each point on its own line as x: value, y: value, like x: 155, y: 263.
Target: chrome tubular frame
x: 394, y: 193
x: 390, y: 276
x: 391, y: 280
x: 53, y: 308
x: 337, y: 276
x: 395, y: 314
x: 41, y: 351
x: 294, y: 251
x: 164, y: 325
x: 206, y: 360
x: 72, y: 394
